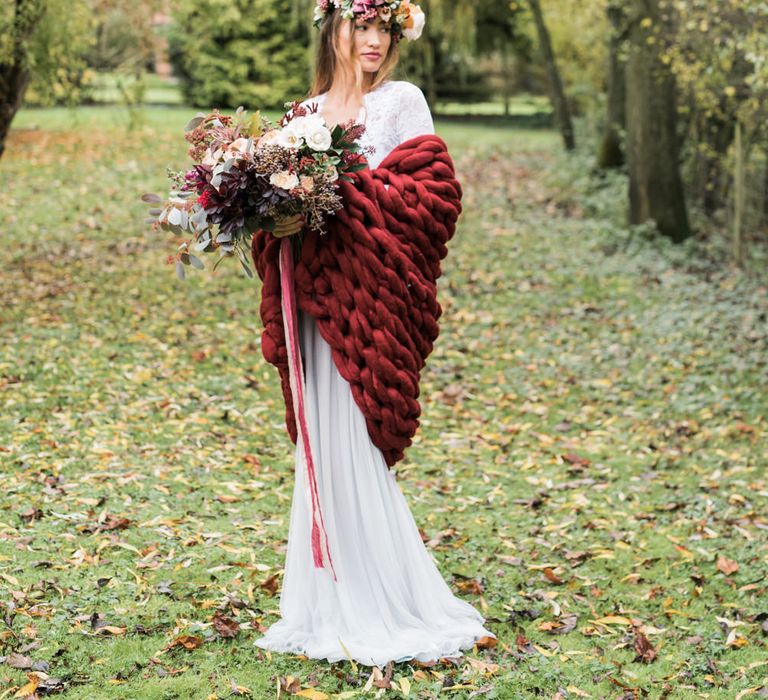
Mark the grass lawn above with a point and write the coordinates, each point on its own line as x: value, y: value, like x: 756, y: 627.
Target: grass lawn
x: 166, y: 91
x: 590, y: 468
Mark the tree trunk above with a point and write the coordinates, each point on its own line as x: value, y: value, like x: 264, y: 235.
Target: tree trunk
x: 718, y: 136
x: 13, y: 84
x: 431, y: 82
x: 557, y: 94
x: 14, y: 74
x: 507, y: 77
x: 655, y: 184
x: 611, y: 154
x: 764, y: 217
x: 429, y: 66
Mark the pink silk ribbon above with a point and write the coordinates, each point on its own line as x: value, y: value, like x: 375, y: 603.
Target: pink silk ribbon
x: 296, y: 375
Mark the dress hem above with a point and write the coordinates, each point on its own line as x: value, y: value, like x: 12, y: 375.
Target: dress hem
x: 297, y: 642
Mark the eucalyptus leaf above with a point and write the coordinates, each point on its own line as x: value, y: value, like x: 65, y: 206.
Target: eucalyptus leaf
x: 174, y: 217
x: 196, y: 262
x: 180, y: 270
x: 194, y: 122
x: 199, y: 216
x: 151, y: 198
x: 247, y: 269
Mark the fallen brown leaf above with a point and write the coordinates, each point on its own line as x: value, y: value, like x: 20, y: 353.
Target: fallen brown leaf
x: 727, y: 566
x: 643, y: 648
x: 290, y: 685
x: 552, y: 577
x: 565, y: 624
x: 486, y: 642
x: 188, y: 641
x: 225, y: 626
x: 270, y: 585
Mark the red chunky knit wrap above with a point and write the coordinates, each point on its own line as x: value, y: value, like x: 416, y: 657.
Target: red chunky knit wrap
x: 370, y: 283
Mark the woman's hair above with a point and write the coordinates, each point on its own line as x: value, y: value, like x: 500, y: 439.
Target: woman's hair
x: 329, y: 58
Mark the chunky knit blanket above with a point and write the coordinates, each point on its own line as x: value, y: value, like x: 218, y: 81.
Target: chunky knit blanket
x: 371, y: 284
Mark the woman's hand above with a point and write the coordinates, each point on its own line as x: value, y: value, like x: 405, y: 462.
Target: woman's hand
x: 287, y: 226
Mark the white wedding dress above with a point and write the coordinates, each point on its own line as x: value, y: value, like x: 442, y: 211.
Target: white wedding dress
x: 389, y: 601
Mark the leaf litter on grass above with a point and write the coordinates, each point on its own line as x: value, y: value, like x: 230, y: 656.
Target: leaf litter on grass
x: 589, y: 472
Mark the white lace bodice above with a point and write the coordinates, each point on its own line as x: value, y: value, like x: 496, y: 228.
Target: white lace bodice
x: 392, y: 113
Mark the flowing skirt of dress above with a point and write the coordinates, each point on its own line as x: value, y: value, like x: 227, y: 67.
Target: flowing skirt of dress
x: 390, y: 602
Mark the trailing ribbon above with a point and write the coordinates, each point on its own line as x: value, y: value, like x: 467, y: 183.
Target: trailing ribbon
x: 296, y: 376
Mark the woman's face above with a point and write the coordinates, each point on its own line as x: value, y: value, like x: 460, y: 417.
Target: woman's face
x: 370, y: 42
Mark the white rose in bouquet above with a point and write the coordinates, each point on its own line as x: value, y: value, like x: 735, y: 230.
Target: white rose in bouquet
x: 269, y: 138
x: 212, y: 158
x: 284, y: 179
x: 239, y: 147
x: 319, y: 137
x: 289, y: 137
x: 304, y: 125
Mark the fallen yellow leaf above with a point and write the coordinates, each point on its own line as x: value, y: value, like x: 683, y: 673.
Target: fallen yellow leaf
x: 312, y: 694
x: 613, y: 620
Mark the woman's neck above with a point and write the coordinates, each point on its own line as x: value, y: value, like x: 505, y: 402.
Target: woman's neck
x: 343, y: 91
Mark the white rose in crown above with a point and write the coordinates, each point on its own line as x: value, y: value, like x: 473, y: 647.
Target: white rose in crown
x: 284, y: 179
x: 318, y: 137
x: 414, y: 24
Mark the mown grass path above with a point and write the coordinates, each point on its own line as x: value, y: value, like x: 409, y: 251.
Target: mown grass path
x: 590, y: 469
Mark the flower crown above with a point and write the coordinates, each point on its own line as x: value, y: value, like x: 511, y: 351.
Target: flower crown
x: 406, y: 18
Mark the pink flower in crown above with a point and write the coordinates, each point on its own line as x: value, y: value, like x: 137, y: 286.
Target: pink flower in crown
x: 366, y: 7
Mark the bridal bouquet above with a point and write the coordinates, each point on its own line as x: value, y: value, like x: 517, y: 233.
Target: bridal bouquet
x: 251, y: 174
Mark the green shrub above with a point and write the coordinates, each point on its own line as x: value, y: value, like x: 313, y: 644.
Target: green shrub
x: 253, y: 53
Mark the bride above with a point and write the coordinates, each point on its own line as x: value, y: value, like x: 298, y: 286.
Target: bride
x: 387, y: 600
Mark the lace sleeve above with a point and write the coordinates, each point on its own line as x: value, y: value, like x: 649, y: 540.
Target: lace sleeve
x: 413, y: 115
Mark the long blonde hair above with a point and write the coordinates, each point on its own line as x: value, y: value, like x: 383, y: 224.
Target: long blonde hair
x: 329, y: 59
